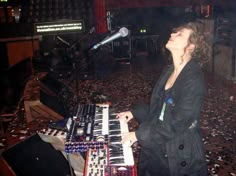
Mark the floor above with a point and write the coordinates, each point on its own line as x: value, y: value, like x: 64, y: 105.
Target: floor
x: 130, y: 83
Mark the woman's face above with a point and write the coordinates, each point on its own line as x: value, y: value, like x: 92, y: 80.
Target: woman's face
x: 179, y: 40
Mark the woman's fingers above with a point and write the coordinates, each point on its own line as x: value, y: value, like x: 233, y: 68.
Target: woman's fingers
x: 128, y: 139
x: 124, y: 116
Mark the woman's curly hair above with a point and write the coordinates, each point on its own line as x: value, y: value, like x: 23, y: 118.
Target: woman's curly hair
x: 202, y: 51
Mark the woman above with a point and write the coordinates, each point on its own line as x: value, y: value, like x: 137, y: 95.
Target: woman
x: 168, y: 131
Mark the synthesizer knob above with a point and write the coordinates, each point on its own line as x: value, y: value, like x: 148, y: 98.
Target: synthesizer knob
x: 80, y: 131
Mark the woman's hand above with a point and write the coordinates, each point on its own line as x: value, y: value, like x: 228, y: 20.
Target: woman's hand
x: 128, y: 139
x: 125, y: 116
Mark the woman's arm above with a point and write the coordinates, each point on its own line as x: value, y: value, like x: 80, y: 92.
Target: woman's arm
x: 186, y: 110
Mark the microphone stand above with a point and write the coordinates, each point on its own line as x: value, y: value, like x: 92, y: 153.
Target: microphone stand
x: 76, y: 61
x: 76, y: 71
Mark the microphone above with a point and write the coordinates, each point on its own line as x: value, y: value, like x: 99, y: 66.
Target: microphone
x: 123, y: 32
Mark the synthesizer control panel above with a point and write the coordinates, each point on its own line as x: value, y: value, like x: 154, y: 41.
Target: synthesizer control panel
x: 88, y: 128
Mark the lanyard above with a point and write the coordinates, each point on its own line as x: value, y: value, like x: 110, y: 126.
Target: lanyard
x: 168, y: 100
x: 162, y: 111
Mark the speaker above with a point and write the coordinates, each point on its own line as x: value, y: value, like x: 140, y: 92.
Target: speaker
x: 13, y: 81
x: 4, y: 57
x: 57, y: 88
x: 52, y: 84
x: 34, y: 157
x: 53, y: 102
x: 121, y: 48
x: 41, y: 103
x: 45, y: 107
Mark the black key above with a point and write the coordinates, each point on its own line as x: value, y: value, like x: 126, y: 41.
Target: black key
x: 113, y: 127
x: 116, y: 155
x: 116, y: 160
x: 114, y: 138
x: 112, y: 117
x: 114, y: 132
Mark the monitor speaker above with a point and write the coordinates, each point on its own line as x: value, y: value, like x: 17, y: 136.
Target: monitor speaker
x: 45, y: 107
x: 35, y: 157
x: 52, y: 84
x: 46, y: 98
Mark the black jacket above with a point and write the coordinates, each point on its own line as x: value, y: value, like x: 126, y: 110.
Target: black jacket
x: 173, y: 146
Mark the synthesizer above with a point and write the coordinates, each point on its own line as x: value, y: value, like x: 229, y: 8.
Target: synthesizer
x: 88, y: 128
x: 97, y: 164
x: 94, y: 131
x: 93, y: 127
x: 53, y: 136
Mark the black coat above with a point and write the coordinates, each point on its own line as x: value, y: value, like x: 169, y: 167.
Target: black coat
x: 173, y: 146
